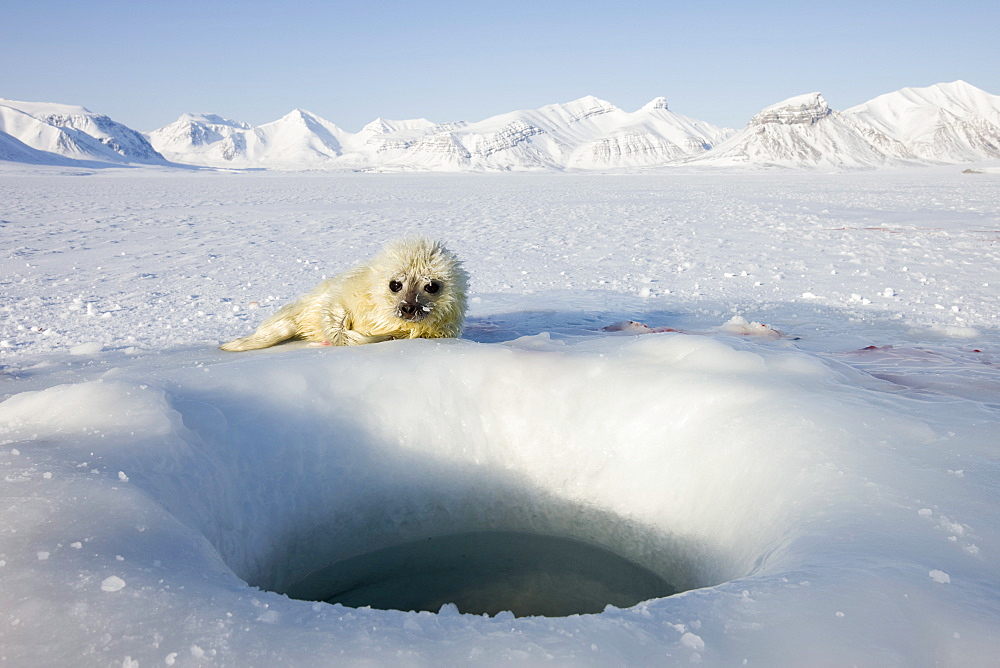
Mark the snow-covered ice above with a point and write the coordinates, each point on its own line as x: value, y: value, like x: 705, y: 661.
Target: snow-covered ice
x: 817, y: 474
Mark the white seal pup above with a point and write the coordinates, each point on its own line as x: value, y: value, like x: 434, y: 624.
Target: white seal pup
x: 414, y: 288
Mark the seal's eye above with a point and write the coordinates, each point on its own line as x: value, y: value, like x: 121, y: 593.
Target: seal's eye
x: 432, y: 287
x: 395, y: 286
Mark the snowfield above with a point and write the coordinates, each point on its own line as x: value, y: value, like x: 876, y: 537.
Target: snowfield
x: 800, y: 434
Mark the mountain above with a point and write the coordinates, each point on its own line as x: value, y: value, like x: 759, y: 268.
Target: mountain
x: 588, y: 133
x: 947, y: 122
x: 201, y: 139
x: 653, y: 135
x: 72, y: 132
x: 14, y: 150
x: 803, y: 131
x: 942, y: 124
x: 299, y: 139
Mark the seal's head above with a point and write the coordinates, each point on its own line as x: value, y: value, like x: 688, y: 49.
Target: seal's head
x: 416, y: 296
x: 420, y: 281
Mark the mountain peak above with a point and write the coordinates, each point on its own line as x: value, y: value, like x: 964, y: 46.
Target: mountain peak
x: 385, y: 126
x: 958, y: 86
x: 593, y: 101
x: 586, y: 106
x: 379, y: 125
x: 946, y: 122
x: 38, y: 109
x: 949, y: 122
x: 74, y: 132
x: 212, y: 119
x: 298, y: 112
x: 656, y: 103
x: 806, y: 109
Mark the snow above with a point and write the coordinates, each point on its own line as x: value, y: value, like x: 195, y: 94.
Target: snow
x: 807, y: 108
x: 948, y: 122
x: 804, y: 132
x: 641, y: 371
x: 14, y: 150
x: 112, y: 583
x: 586, y: 133
x: 60, y: 131
x: 944, y: 123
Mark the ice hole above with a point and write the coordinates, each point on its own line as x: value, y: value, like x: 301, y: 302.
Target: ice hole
x: 486, y: 572
x: 337, y: 482
x: 499, y: 547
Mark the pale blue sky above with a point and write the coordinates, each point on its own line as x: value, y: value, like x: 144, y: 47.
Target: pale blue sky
x: 144, y: 63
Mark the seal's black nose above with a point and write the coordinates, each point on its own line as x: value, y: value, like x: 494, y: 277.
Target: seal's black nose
x: 407, y: 309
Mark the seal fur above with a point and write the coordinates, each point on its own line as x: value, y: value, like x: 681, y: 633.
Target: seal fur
x: 414, y: 288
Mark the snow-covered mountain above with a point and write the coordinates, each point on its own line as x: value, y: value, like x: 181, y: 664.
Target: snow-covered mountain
x: 13, y: 149
x: 66, y: 131
x: 298, y: 139
x: 804, y: 132
x: 948, y: 122
x: 587, y: 133
x: 945, y: 123
x: 202, y: 138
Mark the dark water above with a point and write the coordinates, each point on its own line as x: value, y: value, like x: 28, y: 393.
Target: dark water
x: 486, y: 572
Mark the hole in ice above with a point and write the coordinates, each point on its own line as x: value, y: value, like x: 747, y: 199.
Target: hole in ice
x: 486, y: 572
x: 666, y: 465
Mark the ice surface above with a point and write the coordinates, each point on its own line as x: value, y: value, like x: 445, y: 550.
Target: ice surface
x: 823, y: 493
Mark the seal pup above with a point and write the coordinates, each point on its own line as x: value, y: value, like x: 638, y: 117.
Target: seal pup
x: 413, y: 289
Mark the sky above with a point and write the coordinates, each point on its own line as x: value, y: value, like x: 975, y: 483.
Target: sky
x: 146, y: 63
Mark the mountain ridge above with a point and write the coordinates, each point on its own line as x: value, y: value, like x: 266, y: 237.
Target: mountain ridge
x: 74, y: 132
x: 947, y: 123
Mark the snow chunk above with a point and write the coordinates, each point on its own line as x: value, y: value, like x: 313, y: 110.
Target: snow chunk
x: 448, y: 610
x: 949, y: 332
x: 92, y: 348
x: 112, y: 583
x: 940, y: 576
x: 106, y: 406
x: 743, y: 327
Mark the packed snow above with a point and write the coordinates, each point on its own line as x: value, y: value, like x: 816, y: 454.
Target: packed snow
x: 779, y: 393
